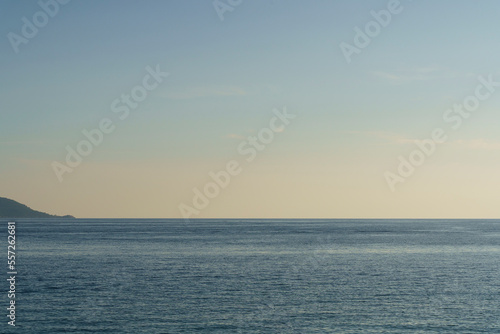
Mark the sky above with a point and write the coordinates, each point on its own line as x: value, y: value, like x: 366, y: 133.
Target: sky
x: 251, y: 109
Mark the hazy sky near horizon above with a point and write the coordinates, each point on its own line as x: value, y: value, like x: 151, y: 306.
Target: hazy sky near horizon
x: 225, y: 77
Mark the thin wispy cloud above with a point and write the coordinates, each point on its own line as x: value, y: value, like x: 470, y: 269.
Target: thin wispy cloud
x: 235, y: 136
x: 389, y: 137
x: 206, y: 91
x: 417, y: 74
x: 24, y: 142
x: 38, y: 163
x: 478, y: 144
x: 247, y: 133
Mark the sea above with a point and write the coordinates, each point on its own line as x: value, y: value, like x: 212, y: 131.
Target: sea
x: 254, y: 276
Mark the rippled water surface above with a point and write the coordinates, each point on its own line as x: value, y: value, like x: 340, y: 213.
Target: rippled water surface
x: 257, y: 276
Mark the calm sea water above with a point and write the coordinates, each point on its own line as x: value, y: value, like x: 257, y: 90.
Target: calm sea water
x: 256, y: 276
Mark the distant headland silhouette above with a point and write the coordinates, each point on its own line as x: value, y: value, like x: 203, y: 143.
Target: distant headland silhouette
x: 12, y: 209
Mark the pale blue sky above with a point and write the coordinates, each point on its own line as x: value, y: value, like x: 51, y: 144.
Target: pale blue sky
x: 225, y: 78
